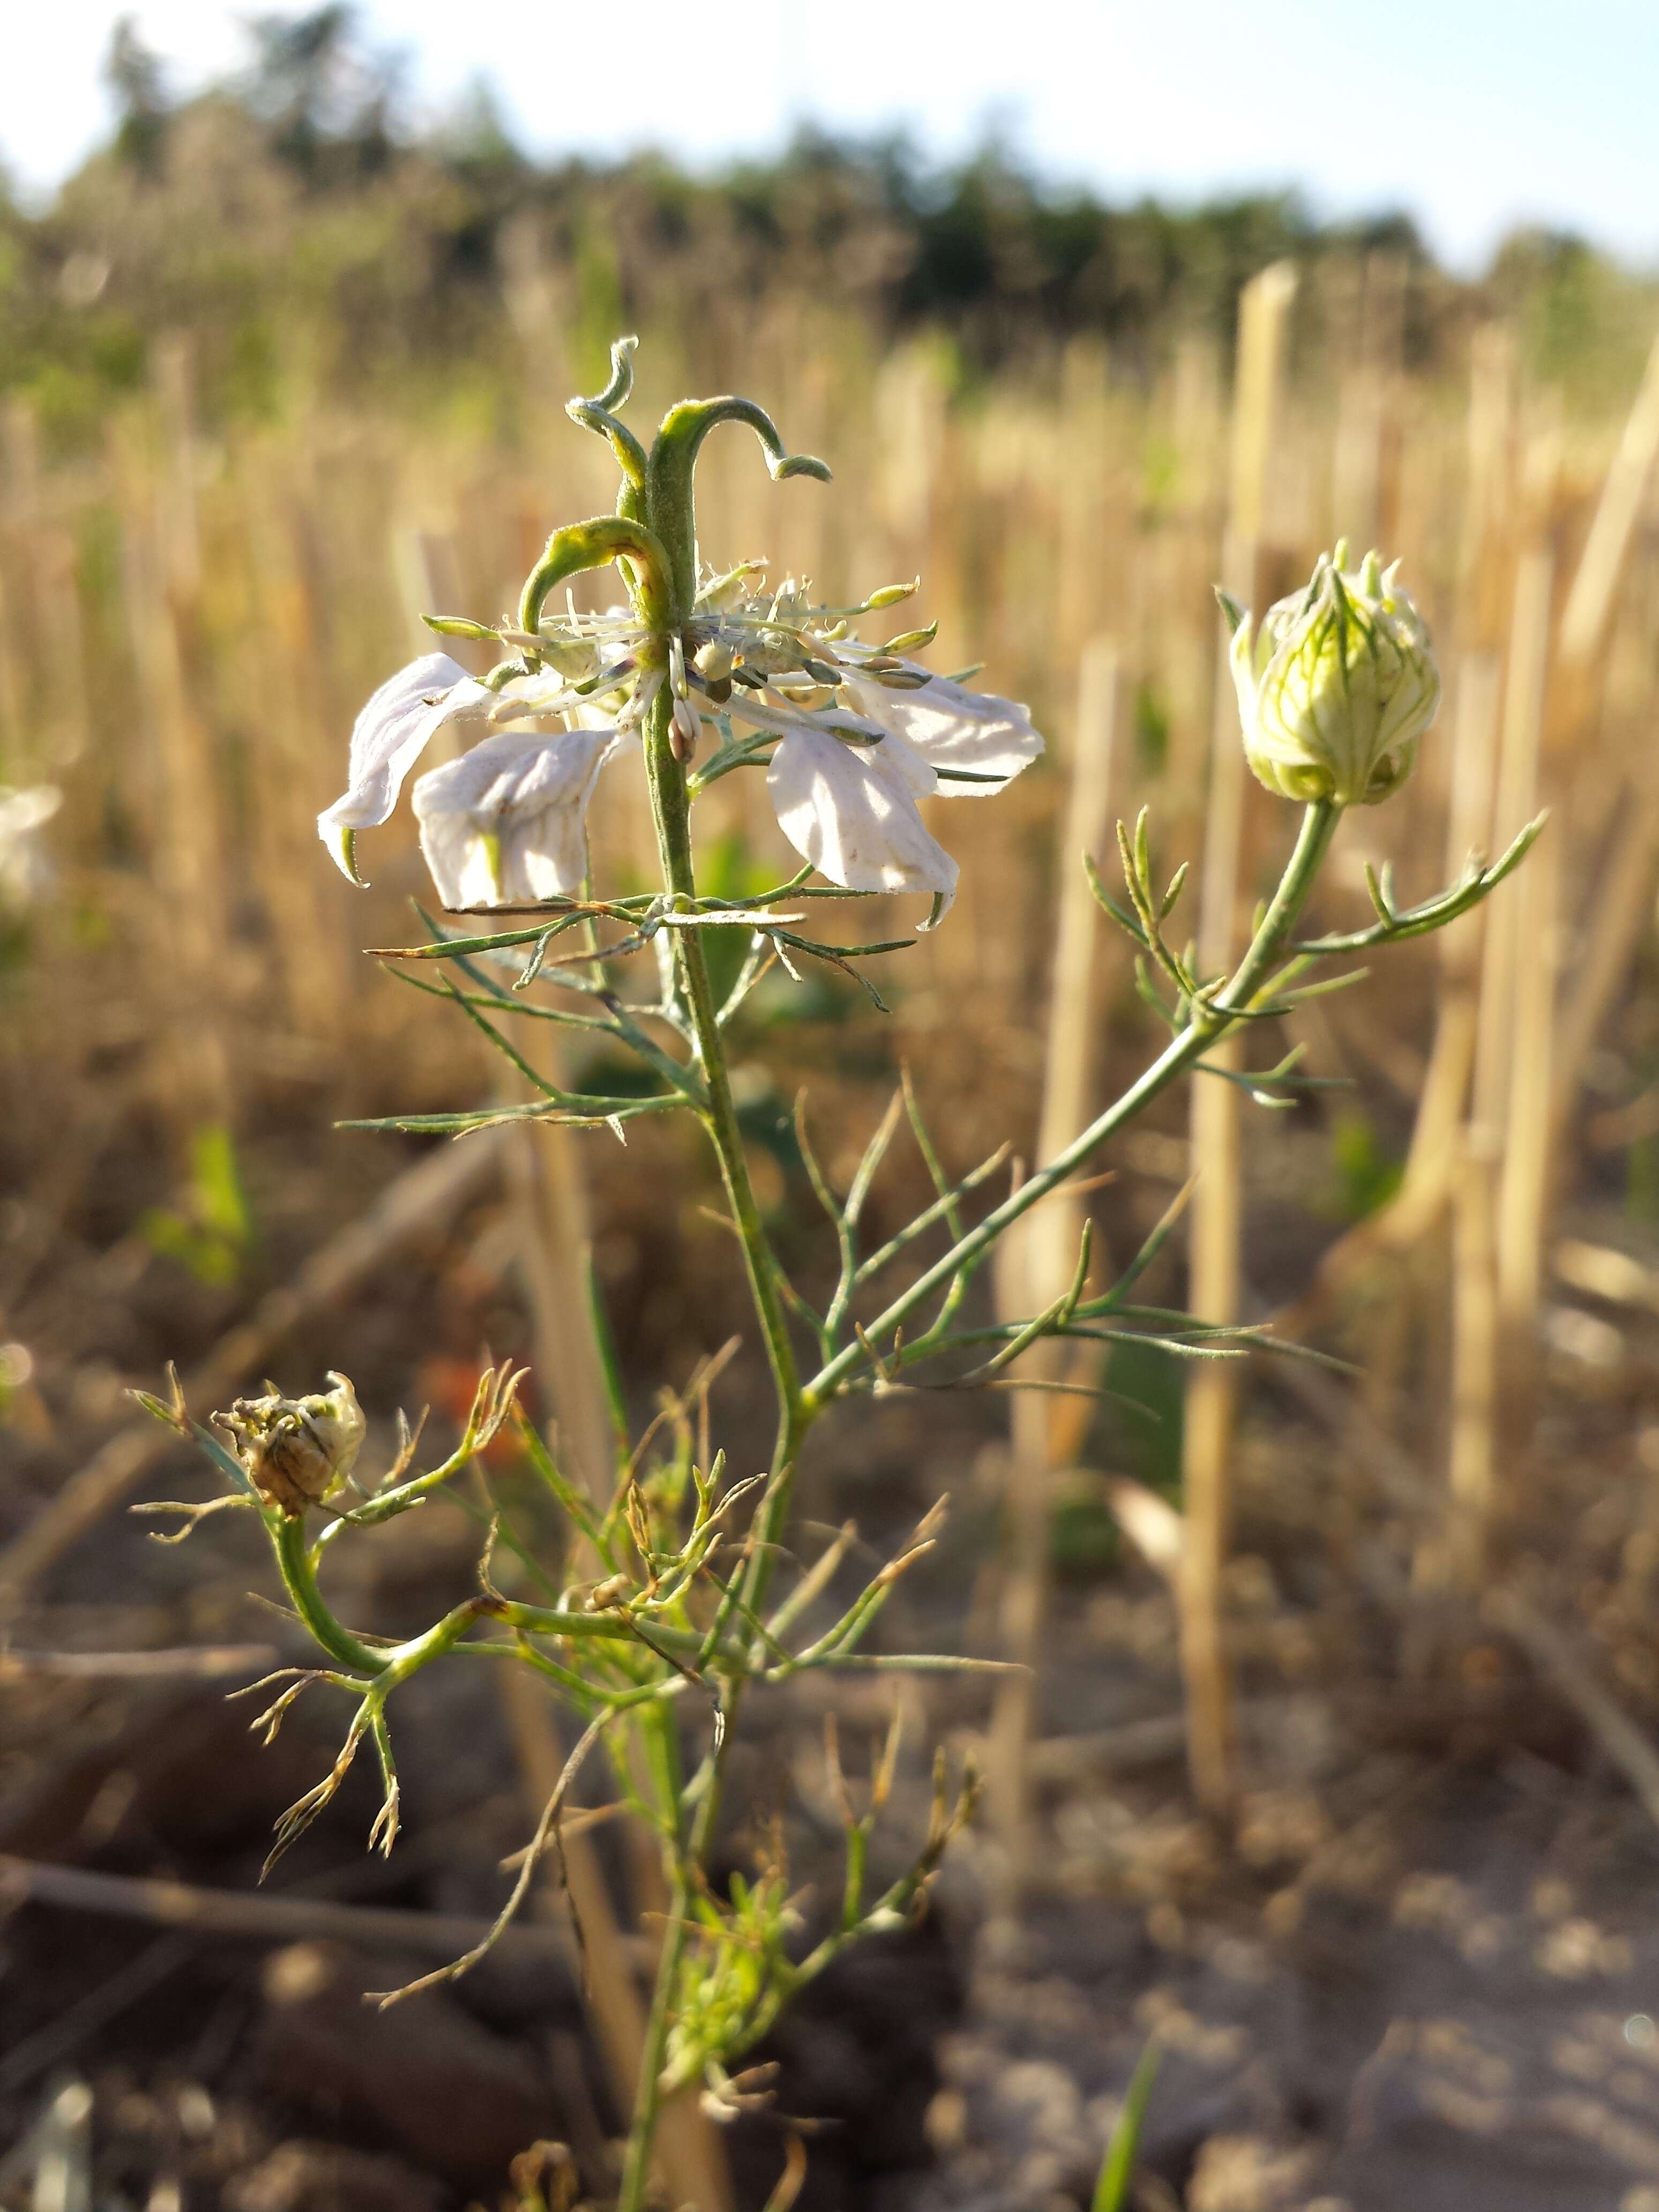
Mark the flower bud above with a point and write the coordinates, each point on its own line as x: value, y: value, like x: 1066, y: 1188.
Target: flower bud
x: 714, y: 661
x: 889, y: 595
x: 683, y: 731
x: 1336, y: 686
x: 297, y: 1451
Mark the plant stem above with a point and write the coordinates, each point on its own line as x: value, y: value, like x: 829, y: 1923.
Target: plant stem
x: 287, y: 1534
x: 670, y: 810
x: 1206, y: 1026
x: 1312, y: 843
x: 658, y: 1722
x: 672, y: 813
x: 648, y: 2102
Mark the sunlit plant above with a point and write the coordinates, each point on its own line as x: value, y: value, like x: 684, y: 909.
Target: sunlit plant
x: 664, y: 1612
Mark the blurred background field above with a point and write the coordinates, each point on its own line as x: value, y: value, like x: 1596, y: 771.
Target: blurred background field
x: 275, y: 378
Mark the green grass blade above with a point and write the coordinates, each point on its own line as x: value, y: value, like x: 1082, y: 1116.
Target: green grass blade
x: 1112, y: 2190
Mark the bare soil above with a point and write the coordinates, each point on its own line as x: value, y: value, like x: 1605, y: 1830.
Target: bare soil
x: 1421, y: 1970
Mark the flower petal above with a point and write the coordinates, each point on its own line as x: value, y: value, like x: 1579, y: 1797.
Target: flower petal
x: 389, y: 736
x: 506, y: 823
x: 851, y: 812
x: 974, y: 735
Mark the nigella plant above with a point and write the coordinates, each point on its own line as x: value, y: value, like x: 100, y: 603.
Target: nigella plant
x: 663, y: 1614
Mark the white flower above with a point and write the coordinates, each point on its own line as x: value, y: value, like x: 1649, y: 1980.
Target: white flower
x: 861, y: 736
x: 25, y: 871
x: 848, y: 804
x: 389, y: 735
x: 1338, y: 686
x: 505, y: 824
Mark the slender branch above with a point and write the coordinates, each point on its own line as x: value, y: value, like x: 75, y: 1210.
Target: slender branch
x: 1209, y: 1021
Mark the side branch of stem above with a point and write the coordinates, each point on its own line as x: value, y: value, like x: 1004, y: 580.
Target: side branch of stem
x: 1209, y: 1021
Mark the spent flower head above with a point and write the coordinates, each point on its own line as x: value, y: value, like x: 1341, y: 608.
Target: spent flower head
x: 1337, y: 685
x: 297, y: 1452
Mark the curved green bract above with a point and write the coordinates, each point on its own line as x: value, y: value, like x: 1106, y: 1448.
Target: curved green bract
x: 669, y: 500
x: 630, y: 454
x: 607, y: 537
x: 617, y: 391
x: 598, y: 413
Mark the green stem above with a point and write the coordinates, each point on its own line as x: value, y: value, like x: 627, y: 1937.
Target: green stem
x: 287, y: 1536
x: 684, y: 1857
x: 641, y: 2134
x: 1312, y: 841
x: 1207, y: 1027
x: 615, y: 1625
x: 388, y: 1660
x: 671, y: 809
x: 673, y: 812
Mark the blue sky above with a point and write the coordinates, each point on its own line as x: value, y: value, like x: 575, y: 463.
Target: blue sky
x: 1474, y: 115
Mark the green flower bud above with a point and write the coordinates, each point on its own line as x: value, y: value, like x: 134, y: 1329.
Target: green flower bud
x: 1336, y: 686
x: 297, y: 1451
x: 713, y: 661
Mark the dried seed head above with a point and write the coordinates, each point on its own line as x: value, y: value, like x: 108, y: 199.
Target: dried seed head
x: 297, y: 1451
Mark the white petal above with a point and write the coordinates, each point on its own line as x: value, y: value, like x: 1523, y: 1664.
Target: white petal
x: 389, y: 736
x: 897, y: 759
x: 851, y: 813
x: 505, y: 824
x: 954, y: 728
